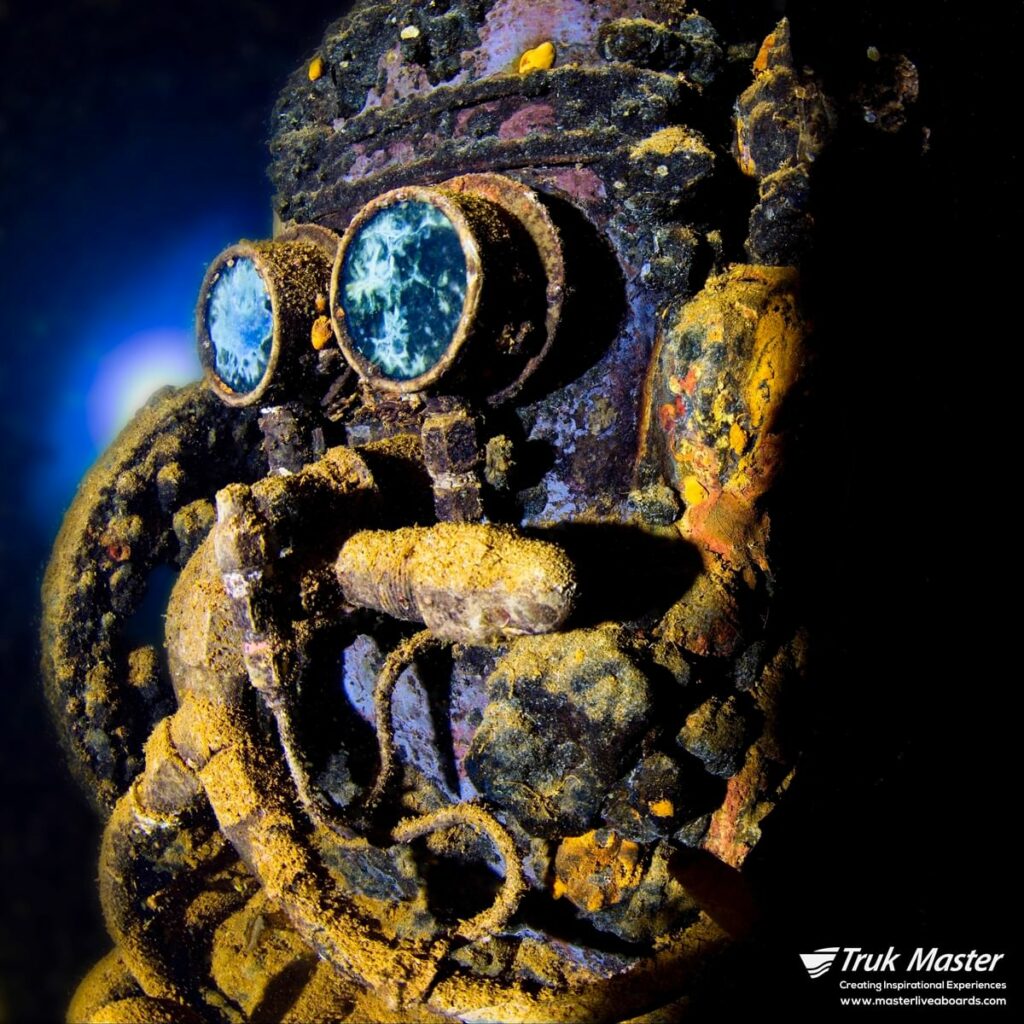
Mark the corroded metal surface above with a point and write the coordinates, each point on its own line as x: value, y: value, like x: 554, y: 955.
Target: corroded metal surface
x: 537, y: 807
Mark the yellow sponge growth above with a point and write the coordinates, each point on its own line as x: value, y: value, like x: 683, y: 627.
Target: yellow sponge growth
x: 540, y: 58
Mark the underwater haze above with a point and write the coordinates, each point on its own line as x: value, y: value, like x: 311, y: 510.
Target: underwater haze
x: 132, y: 150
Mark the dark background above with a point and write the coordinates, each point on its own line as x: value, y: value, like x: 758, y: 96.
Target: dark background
x: 131, y: 152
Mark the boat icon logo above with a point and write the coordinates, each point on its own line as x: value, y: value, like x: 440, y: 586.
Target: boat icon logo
x: 818, y: 962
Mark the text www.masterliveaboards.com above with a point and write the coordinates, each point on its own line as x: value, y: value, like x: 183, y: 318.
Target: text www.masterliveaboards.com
x: 930, y: 993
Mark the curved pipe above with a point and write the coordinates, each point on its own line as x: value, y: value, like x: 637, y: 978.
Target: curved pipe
x: 494, y: 918
x: 387, y: 679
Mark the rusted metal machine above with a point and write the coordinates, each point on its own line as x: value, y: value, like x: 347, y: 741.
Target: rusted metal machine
x: 471, y: 702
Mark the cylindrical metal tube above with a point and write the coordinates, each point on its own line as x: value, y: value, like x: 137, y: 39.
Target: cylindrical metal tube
x: 467, y: 582
x: 255, y: 315
x: 437, y: 284
x: 375, y: 574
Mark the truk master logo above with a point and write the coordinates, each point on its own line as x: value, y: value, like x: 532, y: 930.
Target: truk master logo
x: 818, y: 962
x: 821, y: 960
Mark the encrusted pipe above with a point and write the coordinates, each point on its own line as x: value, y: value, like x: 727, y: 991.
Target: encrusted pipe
x: 245, y: 540
x: 394, y: 665
x: 216, y: 641
x: 489, y: 921
x: 466, y: 582
x: 253, y: 800
x: 148, y: 828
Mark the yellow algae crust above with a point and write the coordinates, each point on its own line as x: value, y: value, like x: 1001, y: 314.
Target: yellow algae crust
x: 466, y: 581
